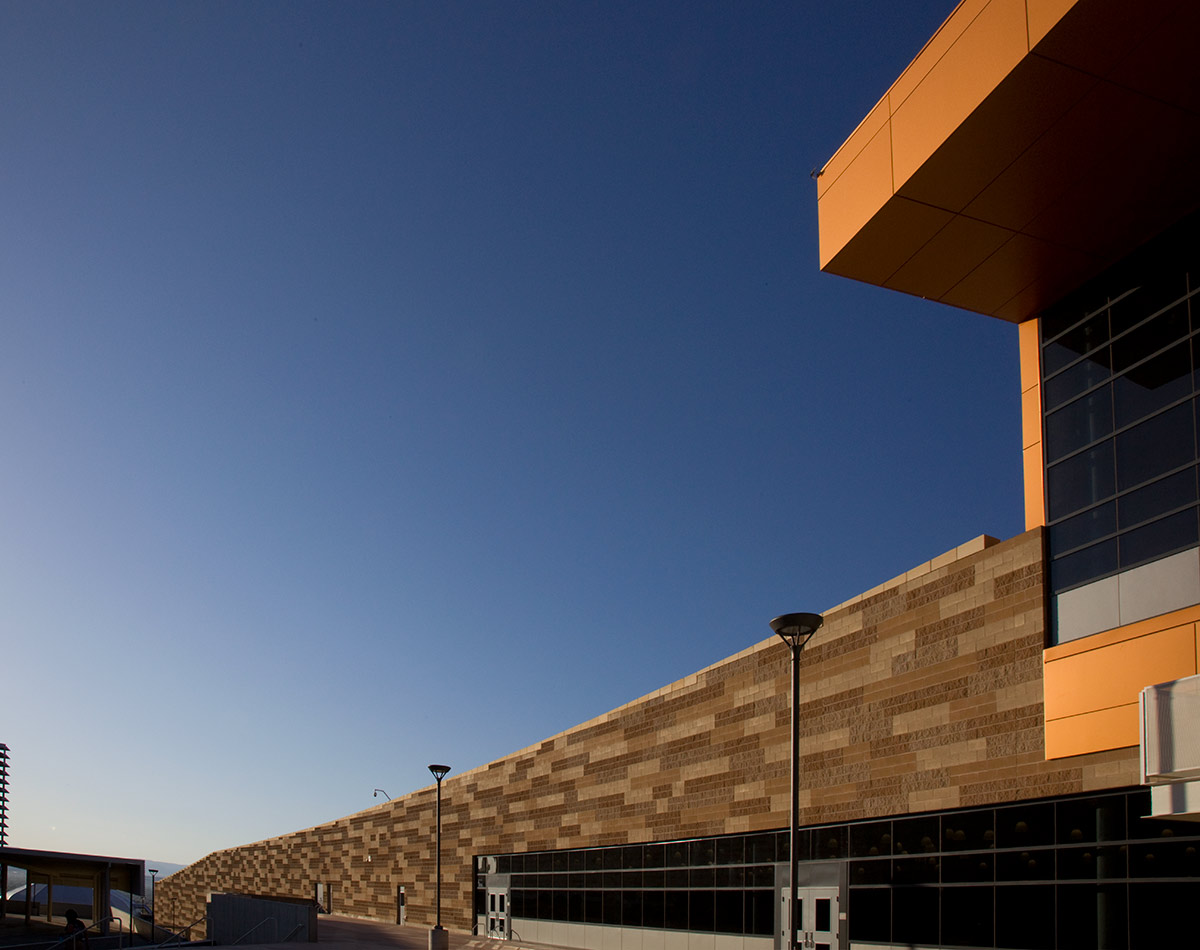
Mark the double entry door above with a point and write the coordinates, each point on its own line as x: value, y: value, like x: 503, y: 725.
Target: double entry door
x: 817, y: 918
x: 497, y: 913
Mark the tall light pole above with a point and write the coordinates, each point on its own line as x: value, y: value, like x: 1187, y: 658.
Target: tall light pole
x: 439, y: 938
x: 153, y: 872
x: 378, y: 791
x: 795, y: 630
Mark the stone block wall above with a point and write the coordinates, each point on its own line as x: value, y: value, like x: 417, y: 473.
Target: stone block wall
x: 924, y: 693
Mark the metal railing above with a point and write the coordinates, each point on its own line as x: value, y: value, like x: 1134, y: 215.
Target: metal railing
x: 177, y: 937
x: 255, y: 927
x: 79, y: 934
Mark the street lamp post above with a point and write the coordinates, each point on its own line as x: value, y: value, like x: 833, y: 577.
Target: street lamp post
x: 439, y: 937
x: 153, y: 874
x: 378, y: 791
x: 795, y: 630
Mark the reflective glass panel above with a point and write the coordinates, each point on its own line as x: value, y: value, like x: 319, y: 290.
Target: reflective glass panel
x: 1079, y: 423
x: 871, y: 839
x: 1035, y: 864
x: 1154, y: 385
x: 1156, y: 446
x: 915, y: 835
x: 969, y: 831
x: 967, y: 916
x: 1025, y: 917
x: 870, y: 915
x: 728, y: 905
x: 1159, y: 538
x: 1083, y: 339
x: 1088, y: 564
x: 1081, y: 377
x: 1164, y: 914
x: 652, y: 908
x: 1091, y: 525
x: 1150, y: 336
x: 1025, y: 826
x: 1166, y: 494
x: 1091, y: 819
x: 1080, y: 481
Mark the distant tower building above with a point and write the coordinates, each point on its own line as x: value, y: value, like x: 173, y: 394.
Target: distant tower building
x: 3, y: 794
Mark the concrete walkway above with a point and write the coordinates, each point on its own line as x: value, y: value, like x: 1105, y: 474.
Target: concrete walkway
x: 351, y: 933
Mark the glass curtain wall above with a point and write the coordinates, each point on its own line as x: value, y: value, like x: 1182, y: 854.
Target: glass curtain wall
x: 1120, y: 382
x: 1074, y: 873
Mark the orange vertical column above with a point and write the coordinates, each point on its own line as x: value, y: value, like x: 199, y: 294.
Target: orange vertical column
x: 1031, y: 425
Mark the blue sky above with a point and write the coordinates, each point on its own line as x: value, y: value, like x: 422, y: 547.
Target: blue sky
x: 392, y: 383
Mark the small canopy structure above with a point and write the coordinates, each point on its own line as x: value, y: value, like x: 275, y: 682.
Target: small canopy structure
x: 101, y: 873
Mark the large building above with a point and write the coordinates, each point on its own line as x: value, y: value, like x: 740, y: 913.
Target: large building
x: 999, y: 746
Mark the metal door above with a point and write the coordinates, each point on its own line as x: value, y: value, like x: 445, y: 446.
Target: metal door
x: 497, y: 913
x: 818, y: 918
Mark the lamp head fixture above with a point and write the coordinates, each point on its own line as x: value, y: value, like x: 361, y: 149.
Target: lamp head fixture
x: 439, y: 772
x: 797, y: 629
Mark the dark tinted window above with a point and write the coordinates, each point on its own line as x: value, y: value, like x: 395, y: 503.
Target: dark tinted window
x: 676, y: 916
x: 967, y: 916
x: 1084, y: 528
x: 916, y: 835
x: 1025, y: 826
x: 631, y: 908
x: 1081, y: 566
x: 1035, y: 864
x: 760, y: 848
x: 1079, y: 423
x: 728, y: 906
x: 760, y: 913
x: 1164, y: 915
x: 702, y: 911
x: 1091, y: 863
x: 652, y: 908
x: 1091, y: 916
x: 969, y: 831
x: 1025, y: 917
x: 1091, y: 819
x: 1080, y: 481
x: 1117, y: 388
x: 871, y: 840
x: 915, y: 915
x: 731, y: 850
x: 870, y: 915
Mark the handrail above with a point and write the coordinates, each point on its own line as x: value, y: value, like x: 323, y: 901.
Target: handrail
x: 295, y: 930
x: 73, y: 935
x: 179, y: 935
x: 254, y: 928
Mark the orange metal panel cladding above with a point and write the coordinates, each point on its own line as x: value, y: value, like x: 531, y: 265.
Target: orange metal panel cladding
x: 859, y: 192
x: 1097, y: 731
x: 970, y: 69
x: 1114, y: 675
x: 1035, y: 499
x: 1092, y: 685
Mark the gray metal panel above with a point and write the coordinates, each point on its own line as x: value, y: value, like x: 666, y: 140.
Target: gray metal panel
x: 246, y: 920
x: 1087, y: 610
x: 1169, y: 583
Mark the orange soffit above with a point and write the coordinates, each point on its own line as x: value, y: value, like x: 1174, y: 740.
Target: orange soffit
x: 988, y: 177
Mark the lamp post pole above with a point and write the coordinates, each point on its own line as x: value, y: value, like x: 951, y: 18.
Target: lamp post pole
x: 153, y: 874
x: 795, y: 630
x: 439, y: 938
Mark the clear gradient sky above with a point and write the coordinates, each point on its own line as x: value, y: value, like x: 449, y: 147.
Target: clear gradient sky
x: 389, y: 383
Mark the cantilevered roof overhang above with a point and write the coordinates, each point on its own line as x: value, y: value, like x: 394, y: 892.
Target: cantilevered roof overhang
x: 1030, y: 144
x: 122, y: 874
